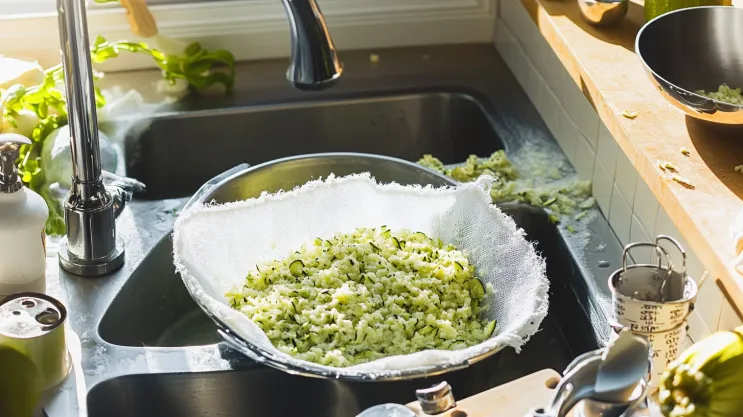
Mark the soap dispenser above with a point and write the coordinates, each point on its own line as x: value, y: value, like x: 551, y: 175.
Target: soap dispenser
x: 23, y: 215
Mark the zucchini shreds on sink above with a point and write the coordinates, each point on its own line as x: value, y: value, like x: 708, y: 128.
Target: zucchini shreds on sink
x: 365, y: 295
x: 559, y: 199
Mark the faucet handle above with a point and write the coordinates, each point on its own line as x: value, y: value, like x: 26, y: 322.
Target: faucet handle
x: 129, y: 184
x: 122, y: 189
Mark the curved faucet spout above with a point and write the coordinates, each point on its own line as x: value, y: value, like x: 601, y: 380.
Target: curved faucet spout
x: 314, y: 61
x: 91, y: 247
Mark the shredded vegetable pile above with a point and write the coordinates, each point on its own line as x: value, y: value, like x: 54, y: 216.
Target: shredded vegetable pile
x: 558, y: 198
x: 724, y: 94
x: 366, y: 295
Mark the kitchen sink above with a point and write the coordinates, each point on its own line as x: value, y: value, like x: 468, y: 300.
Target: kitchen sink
x: 154, y: 309
x: 149, y: 350
x: 179, y: 152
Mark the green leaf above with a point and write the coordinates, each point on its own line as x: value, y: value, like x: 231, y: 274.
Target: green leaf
x: 222, y: 56
x: 193, y: 49
x: 99, y: 40
x: 197, y: 68
x: 100, y: 99
x: 13, y: 98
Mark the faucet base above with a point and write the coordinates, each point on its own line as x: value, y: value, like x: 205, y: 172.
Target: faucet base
x: 76, y: 266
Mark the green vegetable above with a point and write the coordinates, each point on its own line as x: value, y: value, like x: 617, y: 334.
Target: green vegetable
x: 510, y: 187
x: 490, y: 328
x: 724, y: 94
x: 477, y: 289
x: 20, y: 384
x: 655, y: 8
x: 45, y: 107
x: 369, y: 304
x: 707, y: 379
x: 197, y: 65
x: 296, y: 267
x: 395, y: 242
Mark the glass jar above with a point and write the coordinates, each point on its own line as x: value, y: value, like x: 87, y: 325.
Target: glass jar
x: 655, y: 8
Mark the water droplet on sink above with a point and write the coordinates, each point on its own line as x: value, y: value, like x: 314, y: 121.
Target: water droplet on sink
x: 604, y: 264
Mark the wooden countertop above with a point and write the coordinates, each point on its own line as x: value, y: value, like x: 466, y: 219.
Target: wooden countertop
x: 603, y: 63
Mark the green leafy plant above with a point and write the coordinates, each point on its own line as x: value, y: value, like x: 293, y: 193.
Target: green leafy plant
x: 197, y: 66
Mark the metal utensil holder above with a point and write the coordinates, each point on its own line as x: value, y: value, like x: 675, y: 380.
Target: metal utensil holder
x: 654, y: 301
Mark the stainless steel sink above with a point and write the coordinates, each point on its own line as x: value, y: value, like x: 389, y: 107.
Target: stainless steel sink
x: 148, y: 350
x: 154, y: 309
x: 449, y: 124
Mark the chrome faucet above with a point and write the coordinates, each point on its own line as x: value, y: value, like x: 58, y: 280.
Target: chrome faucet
x: 91, y: 247
x: 314, y: 62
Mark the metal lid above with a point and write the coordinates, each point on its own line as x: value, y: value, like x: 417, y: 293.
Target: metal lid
x: 28, y: 315
x: 10, y: 144
x: 436, y: 399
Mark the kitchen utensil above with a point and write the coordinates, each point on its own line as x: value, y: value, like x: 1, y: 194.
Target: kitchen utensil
x: 695, y: 49
x: 610, y: 375
x: 33, y: 324
x: 513, y: 399
x: 514, y: 321
x: 623, y: 365
x: 603, y: 12
x: 653, y: 301
x: 576, y: 386
x: 652, y: 298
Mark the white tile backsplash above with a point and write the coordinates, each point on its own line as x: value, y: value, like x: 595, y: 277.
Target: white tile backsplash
x: 567, y: 135
x: 645, y: 206
x: 625, y: 200
x: 709, y: 302
x: 698, y: 329
x: 620, y: 217
x: 580, y: 109
x: 626, y: 178
x: 637, y: 233
x: 585, y: 157
x: 607, y: 149
x: 603, y: 185
x: 729, y: 318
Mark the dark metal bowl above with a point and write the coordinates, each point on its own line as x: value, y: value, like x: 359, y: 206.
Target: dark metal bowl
x: 695, y: 49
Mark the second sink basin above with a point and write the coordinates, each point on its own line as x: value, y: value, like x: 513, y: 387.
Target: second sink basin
x: 179, y: 152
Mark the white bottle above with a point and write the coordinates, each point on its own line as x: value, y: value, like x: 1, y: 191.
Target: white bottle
x: 23, y: 215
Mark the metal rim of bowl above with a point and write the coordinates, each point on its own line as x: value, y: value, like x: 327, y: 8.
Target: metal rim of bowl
x: 642, y: 30
x: 312, y: 370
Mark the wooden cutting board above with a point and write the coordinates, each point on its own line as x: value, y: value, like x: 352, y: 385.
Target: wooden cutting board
x: 513, y: 399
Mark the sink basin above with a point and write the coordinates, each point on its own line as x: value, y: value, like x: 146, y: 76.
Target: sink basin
x: 154, y: 309
x: 177, y: 153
